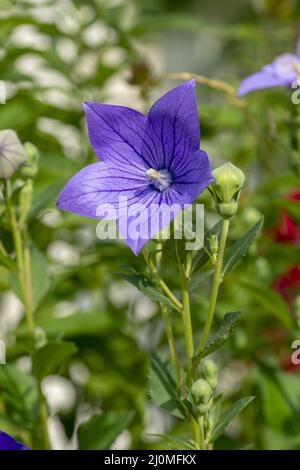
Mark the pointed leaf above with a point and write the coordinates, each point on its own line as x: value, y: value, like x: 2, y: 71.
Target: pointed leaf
x: 49, y: 359
x: 228, y: 416
x: 146, y: 286
x: 164, y: 390
x: 222, y: 335
x: 100, y: 432
x: 240, y: 247
x: 270, y: 301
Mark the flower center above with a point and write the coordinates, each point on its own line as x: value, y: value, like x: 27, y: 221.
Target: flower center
x: 161, y: 179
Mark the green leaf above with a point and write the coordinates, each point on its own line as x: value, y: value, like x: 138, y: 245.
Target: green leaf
x: 222, y: 335
x: 7, y: 262
x: 145, y: 285
x: 228, y: 416
x: 49, y: 359
x: 44, y: 198
x: 240, y: 247
x: 19, y: 393
x: 164, y: 390
x: 202, y: 256
x: 79, y: 324
x: 100, y: 432
x: 180, y: 444
x: 39, y: 277
x: 270, y: 301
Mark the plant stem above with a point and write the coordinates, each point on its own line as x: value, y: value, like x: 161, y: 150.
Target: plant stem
x: 187, y: 322
x: 171, y: 342
x: 44, y: 420
x: 217, y: 279
x: 164, y: 286
x: 24, y: 275
x: 166, y: 317
x: 17, y: 237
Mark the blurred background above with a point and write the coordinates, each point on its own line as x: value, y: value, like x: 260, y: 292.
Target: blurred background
x: 54, y: 55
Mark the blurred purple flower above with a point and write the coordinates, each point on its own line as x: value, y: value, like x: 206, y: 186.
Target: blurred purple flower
x: 9, y: 443
x: 283, y: 71
x: 150, y: 160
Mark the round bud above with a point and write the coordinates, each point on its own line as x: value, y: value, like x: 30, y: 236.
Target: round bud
x: 30, y: 168
x: 226, y: 188
x: 210, y: 373
x: 201, y: 392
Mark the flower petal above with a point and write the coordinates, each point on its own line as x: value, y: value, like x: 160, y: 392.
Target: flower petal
x: 116, y: 133
x: 101, y: 184
x: 192, y: 176
x: 259, y: 80
x: 173, y: 126
x: 9, y: 443
x: 147, y: 220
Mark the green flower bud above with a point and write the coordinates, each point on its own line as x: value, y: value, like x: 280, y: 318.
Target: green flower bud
x: 12, y: 153
x: 30, y: 168
x: 201, y: 392
x: 229, y: 180
x: 210, y: 373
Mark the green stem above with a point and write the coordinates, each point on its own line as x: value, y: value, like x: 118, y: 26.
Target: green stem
x: 187, y: 322
x: 164, y: 286
x: 171, y: 342
x: 18, y: 243
x: 24, y: 276
x: 44, y: 420
x: 217, y: 279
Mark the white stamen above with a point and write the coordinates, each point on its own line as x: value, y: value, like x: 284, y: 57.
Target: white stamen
x: 161, y: 179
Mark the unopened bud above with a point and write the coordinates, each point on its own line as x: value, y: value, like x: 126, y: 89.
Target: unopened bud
x: 12, y: 153
x: 210, y: 373
x: 201, y: 392
x: 229, y: 180
x: 30, y: 168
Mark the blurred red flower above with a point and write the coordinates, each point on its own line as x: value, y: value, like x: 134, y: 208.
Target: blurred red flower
x: 287, y: 230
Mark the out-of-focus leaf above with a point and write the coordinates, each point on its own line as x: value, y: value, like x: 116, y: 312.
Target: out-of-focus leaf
x: 270, y: 301
x: 7, y: 262
x: 163, y: 22
x: 100, y: 432
x: 221, y: 337
x: 19, y: 392
x: 180, y: 444
x: 49, y: 359
x: 240, y: 247
x: 228, y: 416
x: 45, y: 197
x: 164, y: 390
x: 79, y: 324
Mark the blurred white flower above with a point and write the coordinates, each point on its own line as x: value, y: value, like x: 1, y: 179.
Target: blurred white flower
x: 59, y: 392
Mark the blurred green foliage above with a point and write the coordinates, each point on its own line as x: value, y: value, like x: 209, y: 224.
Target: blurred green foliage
x: 54, y: 55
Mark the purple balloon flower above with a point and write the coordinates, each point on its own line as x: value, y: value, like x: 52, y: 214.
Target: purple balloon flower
x: 9, y: 443
x: 148, y: 162
x: 283, y: 71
